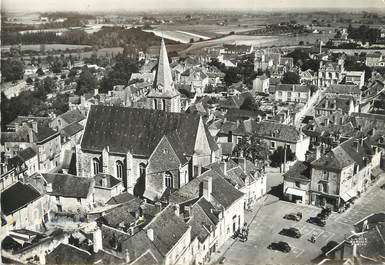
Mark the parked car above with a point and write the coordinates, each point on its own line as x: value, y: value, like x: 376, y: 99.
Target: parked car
x: 329, y: 246
x: 281, y: 246
x: 316, y: 221
x: 291, y: 232
x: 383, y: 187
x: 293, y: 216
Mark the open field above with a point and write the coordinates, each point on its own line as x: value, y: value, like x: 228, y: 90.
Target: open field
x: 48, y: 47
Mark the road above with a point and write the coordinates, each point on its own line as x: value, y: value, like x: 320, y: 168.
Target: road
x: 265, y: 222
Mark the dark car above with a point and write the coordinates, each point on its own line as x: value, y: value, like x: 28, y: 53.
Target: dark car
x: 293, y: 216
x: 291, y: 232
x: 383, y: 187
x: 329, y: 246
x: 326, y: 211
x: 316, y: 221
x: 281, y: 246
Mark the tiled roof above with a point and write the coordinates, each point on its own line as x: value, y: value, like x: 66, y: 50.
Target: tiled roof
x: 124, y: 213
x: 339, y: 103
x: 17, y: 196
x: 45, y: 132
x: 137, y: 130
x: 66, y: 185
x: 292, y: 88
x: 27, y: 154
x: 146, y: 259
x: 273, y: 130
x: 200, y: 223
x: 168, y: 229
x: 299, y: 171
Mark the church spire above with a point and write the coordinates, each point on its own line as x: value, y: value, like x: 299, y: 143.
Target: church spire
x: 163, y: 76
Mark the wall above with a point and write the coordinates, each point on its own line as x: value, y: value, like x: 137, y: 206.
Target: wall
x: 291, y: 183
x: 237, y: 210
x: 49, y: 154
x: 180, y: 250
x: 102, y: 194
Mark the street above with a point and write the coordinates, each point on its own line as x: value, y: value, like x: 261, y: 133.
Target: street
x: 266, y: 221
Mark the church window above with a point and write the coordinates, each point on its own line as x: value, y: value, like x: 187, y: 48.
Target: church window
x: 154, y: 104
x: 168, y: 180
x: 164, y: 104
x: 119, y: 169
x: 96, y: 166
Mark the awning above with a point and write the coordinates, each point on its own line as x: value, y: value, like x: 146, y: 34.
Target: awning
x: 295, y: 192
x: 348, y: 195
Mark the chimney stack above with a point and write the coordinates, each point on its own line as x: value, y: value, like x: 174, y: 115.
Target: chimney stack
x: 317, y: 152
x: 49, y: 187
x: 207, y: 188
x: 34, y: 126
x: 150, y: 234
x: 127, y: 256
x: 176, y: 209
x: 97, y: 236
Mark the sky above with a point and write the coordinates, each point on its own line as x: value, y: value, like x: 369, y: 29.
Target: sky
x: 127, y: 5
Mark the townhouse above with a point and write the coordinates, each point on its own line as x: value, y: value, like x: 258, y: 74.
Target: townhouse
x: 292, y: 93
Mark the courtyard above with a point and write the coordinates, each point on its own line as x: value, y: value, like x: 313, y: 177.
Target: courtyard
x: 266, y: 221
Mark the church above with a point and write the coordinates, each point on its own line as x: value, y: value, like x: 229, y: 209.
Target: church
x: 147, y: 149
x: 163, y: 95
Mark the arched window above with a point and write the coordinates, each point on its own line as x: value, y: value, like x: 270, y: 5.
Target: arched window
x: 154, y: 105
x: 96, y: 166
x: 168, y: 180
x: 119, y: 169
x: 142, y: 170
x: 164, y: 104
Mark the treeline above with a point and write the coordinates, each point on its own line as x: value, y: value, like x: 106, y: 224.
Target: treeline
x: 364, y: 34
x: 106, y: 37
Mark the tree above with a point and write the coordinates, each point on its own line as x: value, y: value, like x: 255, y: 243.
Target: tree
x: 86, y: 82
x: 253, y: 149
x: 57, y: 66
x: 290, y: 78
x: 250, y: 104
x: 60, y: 104
x: 12, y: 70
x: 310, y: 64
x: 278, y: 157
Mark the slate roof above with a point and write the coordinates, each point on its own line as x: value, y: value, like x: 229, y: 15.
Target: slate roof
x: 66, y: 185
x: 343, y: 89
x: 45, y: 132
x: 27, y: 154
x: 222, y: 191
x: 137, y: 245
x: 283, y: 132
x: 72, y: 116
x: 200, y: 223
x: 299, y: 171
x: 168, y: 229
x: 124, y: 213
x: 111, y: 180
x: 72, y: 129
x: 138, y: 130
x: 17, y: 196
x: 121, y: 198
x: 68, y: 254
x: 340, y: 103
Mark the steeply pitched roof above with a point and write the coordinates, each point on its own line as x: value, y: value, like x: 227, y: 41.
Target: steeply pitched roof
x: 168, y: 229
x: 121, y: 198
x: 137, y: 130
x: 27, y: 154
x: 200, y: 223
x: 279, y: 131
x: 72, y: 116
x: 111, y: 181
x: 17, y: 196
x: 72, y: 129
x: 68, y: 254
x: 343, y: 89
x: 163, y: 75
x: 222, y: 191
x: 66, y: 185
x: 299, y: 171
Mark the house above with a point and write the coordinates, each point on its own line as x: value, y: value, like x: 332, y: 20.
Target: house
x: 373, y: 59
x: 196, y: 78
x: 236, y: 49
x: 23, y: 206
x: 276, y: 134
x: 329, y: 105
x: 119, y: 141
x: 344, y: 90
x: 106, y: 187
x: 67, y: 118
x: 261, y: 84
x: 69, y: 193
x: 330, y: 73
x: 307, y: 77
x: 341, y: 174
x: 44, y: 140
x: 292, y: 93
x: 296, y: 182
x: 355, y: 77
x: 227, y: 201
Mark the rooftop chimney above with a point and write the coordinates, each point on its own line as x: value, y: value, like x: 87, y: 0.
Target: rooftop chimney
x: 176, y: 209
x: 150, y: 234
x: 49, y: 187
x: 34, y: 126
x: 207, y: 188
x: 97, y: 237
x: 127, y: 256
